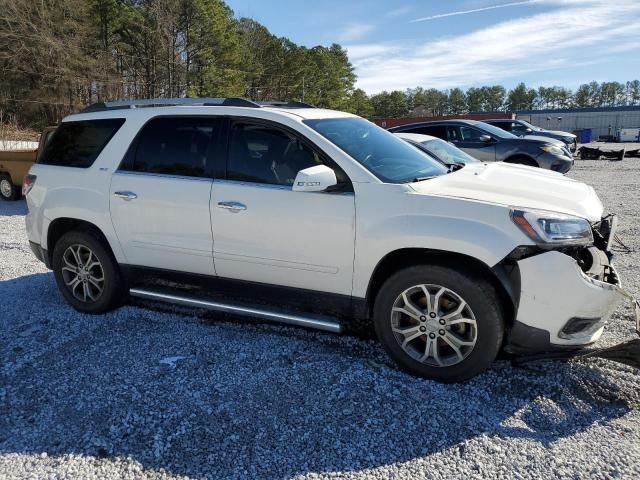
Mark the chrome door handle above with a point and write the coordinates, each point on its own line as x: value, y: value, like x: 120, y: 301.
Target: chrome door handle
x: 125, y: 195
x: 233, y: 206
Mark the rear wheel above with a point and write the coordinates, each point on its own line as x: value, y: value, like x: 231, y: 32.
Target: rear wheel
x: 86, y: 273
x: 439, y: 323
x: 8, y: 191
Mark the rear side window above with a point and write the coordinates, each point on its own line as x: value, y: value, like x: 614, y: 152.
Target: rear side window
x: 506, y: 126
x: 78, y: 144
x: 174, y: 146
x: 439, y: 131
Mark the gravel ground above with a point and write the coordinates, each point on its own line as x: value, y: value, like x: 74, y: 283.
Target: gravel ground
x: 143, y: 393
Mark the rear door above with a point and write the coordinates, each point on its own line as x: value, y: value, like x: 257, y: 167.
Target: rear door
x: 467, y: 138
x: 160, y: 195
x: 264, y: 231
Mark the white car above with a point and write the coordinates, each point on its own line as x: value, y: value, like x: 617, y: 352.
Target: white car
x: 438, y: 148
x: 320, y: 218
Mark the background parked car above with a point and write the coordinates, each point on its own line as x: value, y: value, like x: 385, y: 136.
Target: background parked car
x: 14, y: 165
x: 437, y: 148
x: 520, y: 128
x: 488, y: 143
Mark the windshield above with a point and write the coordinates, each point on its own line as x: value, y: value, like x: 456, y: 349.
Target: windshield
x: 493, y: 130
x: 388, y: 157
x: 447, y: 152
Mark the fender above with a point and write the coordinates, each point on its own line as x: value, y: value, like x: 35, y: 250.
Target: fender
x: 474, y: 229
x: 90, y: 206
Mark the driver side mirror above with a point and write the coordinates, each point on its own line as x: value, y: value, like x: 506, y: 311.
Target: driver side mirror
x: 315, y: 179
x: 485, y: 138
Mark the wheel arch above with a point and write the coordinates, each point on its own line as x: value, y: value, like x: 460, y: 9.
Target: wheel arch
x: 522, y: 159
x: 58, y: 227
x: 505, y: 276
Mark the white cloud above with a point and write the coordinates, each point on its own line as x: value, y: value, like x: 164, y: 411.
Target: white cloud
x: 574, y: 31
x: 371, y: 50
x: 474, y: 10
x: 398, y: 12
x: 355, y: 31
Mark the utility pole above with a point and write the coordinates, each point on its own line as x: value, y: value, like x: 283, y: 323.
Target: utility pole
x: 302, y: 88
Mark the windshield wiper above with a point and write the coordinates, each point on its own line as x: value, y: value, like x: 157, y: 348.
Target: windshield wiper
x: 454, y: 167
x: 420, y: 179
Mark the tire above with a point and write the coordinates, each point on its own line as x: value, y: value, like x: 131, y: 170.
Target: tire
x: 74, y: 246
x: 522, y: 160
x: 8, y: 191
x: 482, y: 306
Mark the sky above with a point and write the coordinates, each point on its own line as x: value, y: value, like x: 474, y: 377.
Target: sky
x: 399, y: 44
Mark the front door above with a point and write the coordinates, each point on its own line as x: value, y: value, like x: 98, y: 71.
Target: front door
x: 468, y: 139
x: 264, y: 231
x: 160, y: 195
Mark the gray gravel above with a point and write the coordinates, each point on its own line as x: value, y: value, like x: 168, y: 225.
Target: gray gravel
x: 143, y: 393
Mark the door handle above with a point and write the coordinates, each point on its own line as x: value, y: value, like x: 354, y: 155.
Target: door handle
x: 233, y: 206
x: 125, y: 195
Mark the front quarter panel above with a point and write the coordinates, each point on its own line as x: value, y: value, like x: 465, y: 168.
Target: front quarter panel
x: 393, y: 217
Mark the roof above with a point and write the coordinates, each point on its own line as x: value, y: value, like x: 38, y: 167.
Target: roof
x: 202, y: 106
x: 399, y: 128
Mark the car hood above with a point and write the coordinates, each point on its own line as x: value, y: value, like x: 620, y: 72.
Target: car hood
x: 543, y: 139
x: 516, y: 186
x: 559, y: 133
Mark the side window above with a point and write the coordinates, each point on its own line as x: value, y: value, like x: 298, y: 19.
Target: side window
x: 518, y: 129
x: 439, y: 131
x: 265, y: 154
x: 454, y: 133
x: 78, y: 144
x: 468, y: 134
x: 507, y: 126
x: 175, y: 146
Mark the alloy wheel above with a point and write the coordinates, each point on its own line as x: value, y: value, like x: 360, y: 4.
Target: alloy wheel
x: 82, y: 273
x: 6, y: 188
x: 434, y: 325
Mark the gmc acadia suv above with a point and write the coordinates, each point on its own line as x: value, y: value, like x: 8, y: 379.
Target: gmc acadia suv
x: 322, y: 219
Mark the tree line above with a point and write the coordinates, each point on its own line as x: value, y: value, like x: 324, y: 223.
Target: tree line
x: 59, y: 55
x: 419, y: 101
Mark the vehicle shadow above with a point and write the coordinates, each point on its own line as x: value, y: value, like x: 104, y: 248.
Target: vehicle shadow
x: 251, y: 400
x: 18, y: 207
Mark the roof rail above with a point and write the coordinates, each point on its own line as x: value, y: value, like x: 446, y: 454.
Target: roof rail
x: 285, y: 104
x: 207, y: 102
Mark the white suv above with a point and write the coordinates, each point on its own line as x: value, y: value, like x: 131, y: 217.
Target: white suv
x: 322, y: 219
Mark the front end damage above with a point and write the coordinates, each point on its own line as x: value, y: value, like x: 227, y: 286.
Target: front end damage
x: 566, y: 298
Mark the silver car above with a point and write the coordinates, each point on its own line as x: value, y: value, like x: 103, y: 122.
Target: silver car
x: 520, y: 128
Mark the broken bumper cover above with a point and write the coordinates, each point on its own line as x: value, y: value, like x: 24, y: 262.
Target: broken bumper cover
x: 560, y: 307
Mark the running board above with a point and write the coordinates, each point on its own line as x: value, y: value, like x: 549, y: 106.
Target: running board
x: 309, y: 320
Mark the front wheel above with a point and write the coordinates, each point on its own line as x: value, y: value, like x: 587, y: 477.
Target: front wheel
x: 439, y: 323
x: 86, y: 273
x: 8, y: 191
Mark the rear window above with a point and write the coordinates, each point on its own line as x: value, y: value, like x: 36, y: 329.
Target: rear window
x: 78, y: 144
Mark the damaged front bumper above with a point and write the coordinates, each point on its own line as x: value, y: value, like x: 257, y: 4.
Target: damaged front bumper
x: 562, y: 307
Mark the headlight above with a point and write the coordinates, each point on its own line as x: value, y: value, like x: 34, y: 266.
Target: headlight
x: 551, y: 229
x: 553, y: 149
